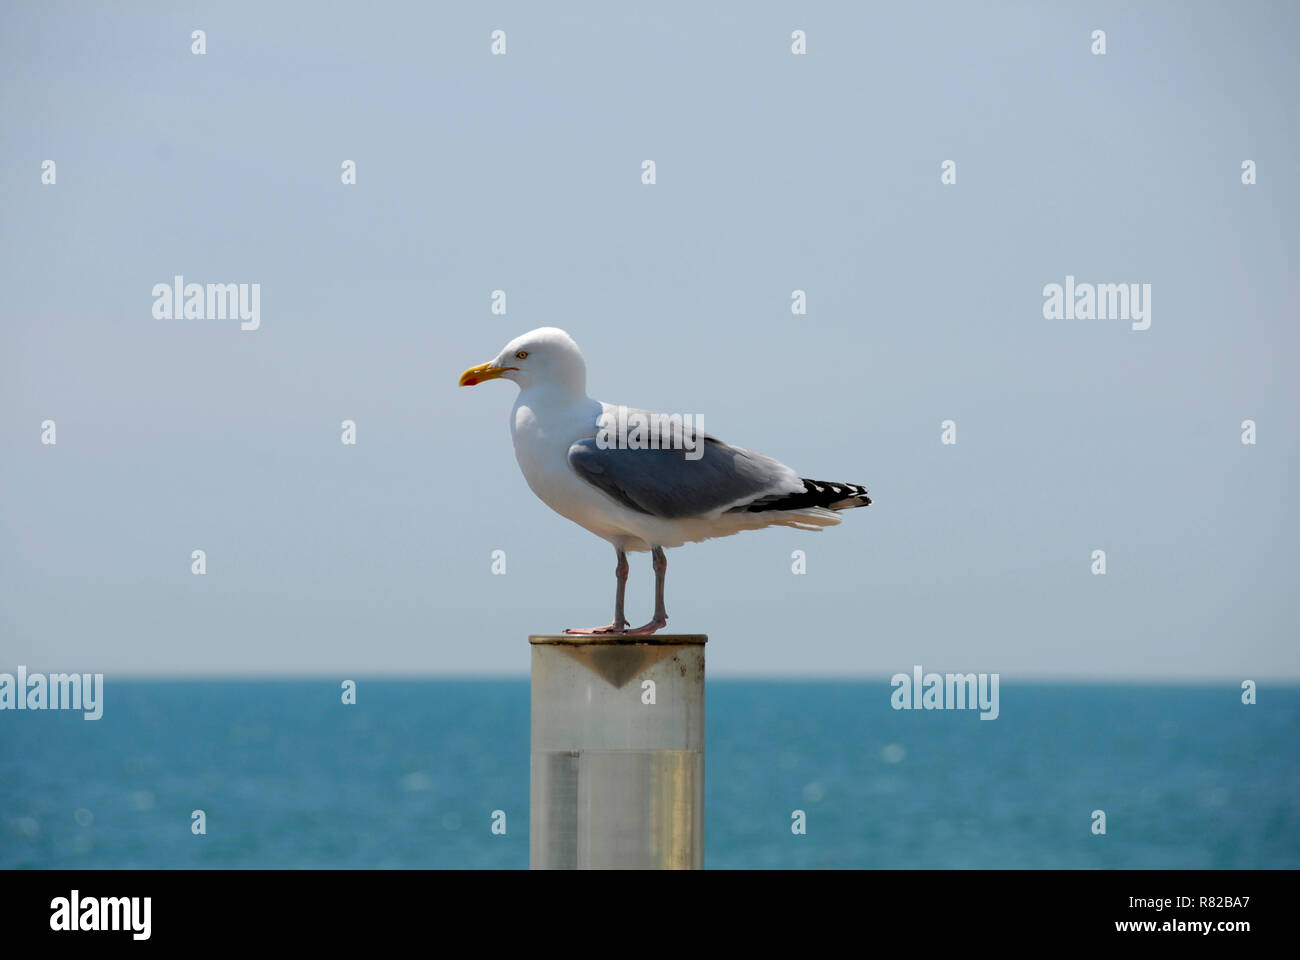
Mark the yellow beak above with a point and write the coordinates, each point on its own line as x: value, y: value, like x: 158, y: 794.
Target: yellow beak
x: 484, y: 371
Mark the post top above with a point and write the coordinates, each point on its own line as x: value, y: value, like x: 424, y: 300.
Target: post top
x: 619, y: 639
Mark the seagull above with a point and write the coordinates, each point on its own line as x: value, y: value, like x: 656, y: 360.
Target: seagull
x: 662, y: 485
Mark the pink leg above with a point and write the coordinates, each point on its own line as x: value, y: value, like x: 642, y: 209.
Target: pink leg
x: 661, y: 614
x: 619, y: 623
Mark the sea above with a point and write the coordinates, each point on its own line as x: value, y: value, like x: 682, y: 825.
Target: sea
x: 803, y: 775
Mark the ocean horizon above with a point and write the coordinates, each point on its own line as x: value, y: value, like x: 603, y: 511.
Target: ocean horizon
x: 413, y: 773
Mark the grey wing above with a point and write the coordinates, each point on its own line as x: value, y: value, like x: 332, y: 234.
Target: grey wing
x: 665, y: 483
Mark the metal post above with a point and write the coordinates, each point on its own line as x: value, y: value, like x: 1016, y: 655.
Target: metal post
x: 617, y: 752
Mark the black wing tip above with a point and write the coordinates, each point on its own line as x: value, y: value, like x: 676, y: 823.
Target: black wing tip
x: 816, y: 493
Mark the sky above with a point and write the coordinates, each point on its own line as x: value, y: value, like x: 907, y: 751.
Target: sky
x: 774, y: 172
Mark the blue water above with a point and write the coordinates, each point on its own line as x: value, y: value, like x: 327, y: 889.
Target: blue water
x: 410, y: 775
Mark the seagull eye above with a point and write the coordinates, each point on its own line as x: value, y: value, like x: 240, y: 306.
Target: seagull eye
x: 521, y: 355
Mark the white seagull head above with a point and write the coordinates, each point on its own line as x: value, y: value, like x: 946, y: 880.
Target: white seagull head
x: 546, y: 356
